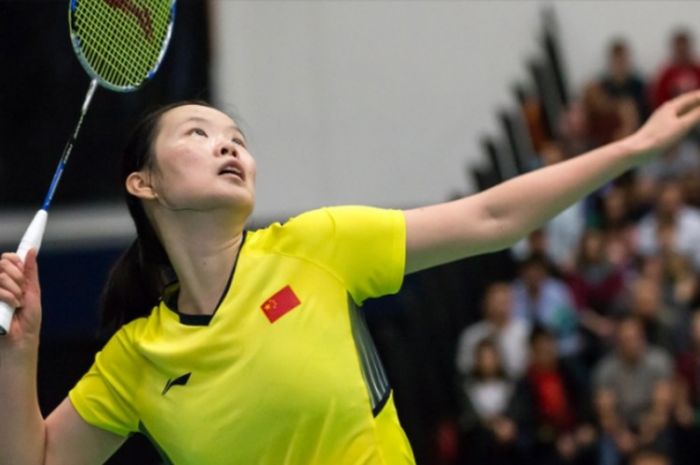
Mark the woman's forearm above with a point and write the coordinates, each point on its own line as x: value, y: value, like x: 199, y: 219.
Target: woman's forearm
x: 496, y: 218
x: 22, y: 433
x: 524, y: 203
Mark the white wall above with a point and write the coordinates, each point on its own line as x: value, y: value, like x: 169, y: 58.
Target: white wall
x: 383, y: 102
x: 366, y: 102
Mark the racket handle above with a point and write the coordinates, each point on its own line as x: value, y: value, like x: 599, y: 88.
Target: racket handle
x: 31, y: 240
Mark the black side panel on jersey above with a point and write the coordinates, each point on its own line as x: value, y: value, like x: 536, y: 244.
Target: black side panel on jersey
x: 373, y: 372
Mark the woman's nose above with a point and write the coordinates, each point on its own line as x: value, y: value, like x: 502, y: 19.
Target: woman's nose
x: 228, y: 148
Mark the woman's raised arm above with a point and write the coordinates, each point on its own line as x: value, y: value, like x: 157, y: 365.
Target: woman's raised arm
x: 497, y: 217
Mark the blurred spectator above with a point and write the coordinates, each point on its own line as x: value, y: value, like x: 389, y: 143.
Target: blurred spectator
x: 688, y: 367
x: 631, y: 393
x: 680, y: 284
x: 672, y: 223
x: 597, y: 284
x: 681, y: 74
x: 490, y: 412
x: 573, y: 130
x: 645, y: 304
x: 614, y: 215
x: 509, y: 334
x: 673, y: 164
x: 597, y: 281
x: 541, y: 299
x: 561, y: 234
x: 677, y: 279
x: 608, y: 119
x: 621, y: 81
x: 649, y: 457
x: 690, y: 182
x: 687, y: 408
x: 559, y: 405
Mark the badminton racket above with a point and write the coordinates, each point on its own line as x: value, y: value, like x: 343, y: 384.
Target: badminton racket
x: 120, y: 44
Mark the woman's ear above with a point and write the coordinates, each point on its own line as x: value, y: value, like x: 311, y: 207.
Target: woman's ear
x: 139, y: 185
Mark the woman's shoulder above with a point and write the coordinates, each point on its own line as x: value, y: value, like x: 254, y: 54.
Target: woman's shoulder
x: 316, y: 227
x: 131, y: 332
x: 290, y: 234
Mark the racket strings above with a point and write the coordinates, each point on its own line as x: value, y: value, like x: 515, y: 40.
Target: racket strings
x: 122, y: 40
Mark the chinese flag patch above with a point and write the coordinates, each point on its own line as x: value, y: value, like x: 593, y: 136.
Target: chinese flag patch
x: 280, y: 303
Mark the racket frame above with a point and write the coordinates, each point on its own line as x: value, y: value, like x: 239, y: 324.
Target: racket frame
x: 78, y: 49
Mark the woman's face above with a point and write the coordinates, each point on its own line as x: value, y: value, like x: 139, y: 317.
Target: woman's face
x: 201, y: 161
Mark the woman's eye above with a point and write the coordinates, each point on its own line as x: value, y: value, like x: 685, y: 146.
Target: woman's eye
x: 198, y: 131
x: 238, y: 141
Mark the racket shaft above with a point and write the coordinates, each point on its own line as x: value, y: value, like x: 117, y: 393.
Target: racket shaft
x: 69, y: 146
x: 31, y: 240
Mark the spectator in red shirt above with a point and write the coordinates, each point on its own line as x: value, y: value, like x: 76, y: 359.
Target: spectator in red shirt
x: 597, y: 285
x: 681, y: 74
x: 559, y: 405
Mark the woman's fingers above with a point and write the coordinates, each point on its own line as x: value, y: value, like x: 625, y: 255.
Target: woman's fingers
x: 692, y: 116
x: 11, y: 284
x: 9, y: 298
x: 14, y: 269
x: 670, y: 122
x: 12, y: 279
x: 12, y: 257
x: 686, y: 103
x: 19, y: 288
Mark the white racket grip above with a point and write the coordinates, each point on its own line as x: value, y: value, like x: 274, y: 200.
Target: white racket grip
x: 31, y: 240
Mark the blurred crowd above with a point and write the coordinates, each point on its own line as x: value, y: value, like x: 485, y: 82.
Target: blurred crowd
x: 592, y: 354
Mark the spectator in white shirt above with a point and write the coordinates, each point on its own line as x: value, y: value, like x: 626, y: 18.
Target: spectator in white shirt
x: 511, y: 334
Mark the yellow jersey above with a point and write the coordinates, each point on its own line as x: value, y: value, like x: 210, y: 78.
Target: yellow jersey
x: 284, y: 372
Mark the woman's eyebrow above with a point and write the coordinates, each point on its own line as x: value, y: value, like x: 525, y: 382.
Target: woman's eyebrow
x: 199, y: 119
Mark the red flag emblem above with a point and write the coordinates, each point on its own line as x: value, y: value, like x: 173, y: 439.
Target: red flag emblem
x: 280, y: 303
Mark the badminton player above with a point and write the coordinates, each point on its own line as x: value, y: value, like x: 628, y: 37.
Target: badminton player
x: 255, y: 353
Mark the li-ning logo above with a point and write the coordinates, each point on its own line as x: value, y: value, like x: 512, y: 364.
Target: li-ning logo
x: 142, y: 15
x: 179, y: 381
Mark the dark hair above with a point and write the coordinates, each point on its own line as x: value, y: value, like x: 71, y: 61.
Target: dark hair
x: 138, y: 277
x: 681, y: 34
x: 535, y: 260
x: 487, y: 343
x: 629, y: 318
x: 539, y: 333
x: 617, y: 46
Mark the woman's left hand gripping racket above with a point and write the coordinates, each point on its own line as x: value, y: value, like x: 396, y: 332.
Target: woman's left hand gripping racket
x: 121, y: 44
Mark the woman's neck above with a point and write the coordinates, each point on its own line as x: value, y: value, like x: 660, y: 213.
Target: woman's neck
x: 202, y: 248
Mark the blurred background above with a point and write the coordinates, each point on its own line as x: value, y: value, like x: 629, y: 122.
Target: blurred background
x: 580, y: 345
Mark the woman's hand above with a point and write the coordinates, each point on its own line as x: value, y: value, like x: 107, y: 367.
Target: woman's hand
x: 667, y: 125
x: 19, y: 287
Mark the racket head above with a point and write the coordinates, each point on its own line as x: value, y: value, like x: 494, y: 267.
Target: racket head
x: 121, y: 43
